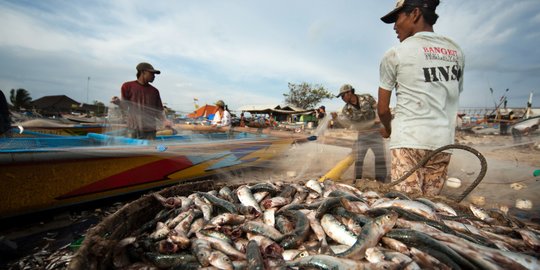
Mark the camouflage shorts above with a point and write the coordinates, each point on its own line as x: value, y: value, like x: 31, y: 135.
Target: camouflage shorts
x: 428, y: 179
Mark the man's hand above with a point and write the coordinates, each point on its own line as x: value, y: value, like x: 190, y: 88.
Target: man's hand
x: 115, y: 100
x: 385, y: 133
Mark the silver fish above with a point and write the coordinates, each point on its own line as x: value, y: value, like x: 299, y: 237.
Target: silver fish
x: 337, y: 231
x: 372, y: 232
x: 412, y: 206
x: 314, y: 185
x: 246, y: 198
x: 222, y: 246
x: 331, y: 262
x: 202, y: 249
x: 220, y: 260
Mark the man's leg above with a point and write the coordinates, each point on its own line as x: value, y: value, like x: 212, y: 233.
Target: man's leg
x: 403, y: 160
x: 435, y: 173
x: 379, y: 151
x: 361, y: 149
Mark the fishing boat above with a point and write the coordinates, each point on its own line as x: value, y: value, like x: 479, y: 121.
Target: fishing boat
x: 65, y: 130
x: 42, y: 173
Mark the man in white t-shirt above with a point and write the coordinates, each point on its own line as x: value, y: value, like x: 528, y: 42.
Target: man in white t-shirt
x: 222, y: 117
x: 426, y: 70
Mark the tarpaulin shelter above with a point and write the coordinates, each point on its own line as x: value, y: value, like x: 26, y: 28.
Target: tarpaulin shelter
x: 204, y: 111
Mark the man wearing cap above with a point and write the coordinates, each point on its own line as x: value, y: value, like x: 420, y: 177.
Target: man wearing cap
x: 426, y: 71
x: 141, y: 103
x: 320, y: 113
x: 222, y: 117
x: 359, y: 114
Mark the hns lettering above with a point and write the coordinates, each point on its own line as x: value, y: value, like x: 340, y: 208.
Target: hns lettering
x: 446, y: 73
x: 442, y: 73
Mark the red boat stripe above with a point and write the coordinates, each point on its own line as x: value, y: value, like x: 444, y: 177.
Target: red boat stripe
x: 150, y: 172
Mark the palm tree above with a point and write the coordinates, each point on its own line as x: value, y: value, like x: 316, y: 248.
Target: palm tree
x: 20, y: 98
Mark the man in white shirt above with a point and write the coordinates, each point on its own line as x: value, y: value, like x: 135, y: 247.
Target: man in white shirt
x: 222, y: 117
x: 426, y: 70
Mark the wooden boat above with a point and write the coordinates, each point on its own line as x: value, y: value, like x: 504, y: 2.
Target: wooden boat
x: 49, y: 172
x: 65, y: 130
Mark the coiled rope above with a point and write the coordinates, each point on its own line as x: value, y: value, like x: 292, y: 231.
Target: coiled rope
x: 483, y: 169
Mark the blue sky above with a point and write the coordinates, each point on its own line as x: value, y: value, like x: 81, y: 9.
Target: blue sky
x: 245, y: 52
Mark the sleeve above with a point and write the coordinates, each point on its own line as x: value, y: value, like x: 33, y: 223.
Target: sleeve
x: 226, y: 121
x: 462, y: 73
x: 217, y: 118
x: 125, y: 91
x: 388, y: 70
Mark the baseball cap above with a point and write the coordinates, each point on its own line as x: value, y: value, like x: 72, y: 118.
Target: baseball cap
x: 391, y: 17
x: 344, y: 89
x: 147, y: 67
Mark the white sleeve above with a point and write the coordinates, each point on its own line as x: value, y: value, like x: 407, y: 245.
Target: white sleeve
x: 388, y: 70
x: 216, y: 119
x: 226, y: 119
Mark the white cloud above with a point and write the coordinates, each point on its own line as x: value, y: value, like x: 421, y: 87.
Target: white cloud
x: 244, y: 51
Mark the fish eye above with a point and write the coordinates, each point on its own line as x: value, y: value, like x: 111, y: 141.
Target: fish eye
x: 303, y: 254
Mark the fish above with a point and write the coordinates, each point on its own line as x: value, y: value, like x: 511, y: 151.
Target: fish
x: 201, y: 249
x: 337, y: 231
x: 262, y: 229
x: 371, y: 233
x: 412, y: 206
x: 301, y: 229
x: 374, y: 255
x: 530, y: 238
x: 324, y: 226
x: 220, y: 260
x: 206, y: 208
x: 246, y: 198
x: 255, y: 260
x: 268, y: 247
x: 275, y: 202
x: 179, y: 260
x: 330, y: 262
x: 227, y: 194
x: 426, y: 243
x: 161, y: 231
x: 225, y: 219
x: 481, y: 213
x: 314, y: 185
x: 269, y: 217
x: 222, y: 246
x: 220, y: 203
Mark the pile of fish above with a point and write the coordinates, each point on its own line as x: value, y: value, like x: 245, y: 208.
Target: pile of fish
x: 328, y: 225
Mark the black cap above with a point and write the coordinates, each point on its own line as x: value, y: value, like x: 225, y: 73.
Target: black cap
x: 391, y: 17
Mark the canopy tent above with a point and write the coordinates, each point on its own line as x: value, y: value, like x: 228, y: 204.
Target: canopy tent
x: 204, y: 111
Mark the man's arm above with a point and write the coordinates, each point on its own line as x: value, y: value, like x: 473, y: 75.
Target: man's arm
x: 383, y: 110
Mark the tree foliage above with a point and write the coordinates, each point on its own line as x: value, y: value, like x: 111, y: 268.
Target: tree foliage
x: 305, y: 95
x: 101, y: 108
x: 20, y: 98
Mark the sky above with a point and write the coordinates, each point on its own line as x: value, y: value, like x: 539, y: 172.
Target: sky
x: 246, y: 52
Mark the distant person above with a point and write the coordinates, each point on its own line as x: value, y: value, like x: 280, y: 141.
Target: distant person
x: 334, y: 122
x: 142, y: 104
x: 5, y: 117
x: 222, y: 117
x: 426, y: 70
x: 360, y: 114
x: 320, y: 113
x: 242, y: 120
x: 505, y: 122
